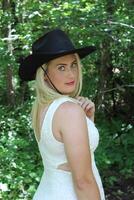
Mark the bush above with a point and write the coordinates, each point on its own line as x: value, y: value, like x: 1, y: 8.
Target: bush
x: 21, y: 163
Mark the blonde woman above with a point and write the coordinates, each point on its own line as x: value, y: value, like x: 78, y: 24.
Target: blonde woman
x: 62, y: 120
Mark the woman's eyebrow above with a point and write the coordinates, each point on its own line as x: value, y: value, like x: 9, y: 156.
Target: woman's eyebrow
x: 74, y: 61
x: 65, y: 63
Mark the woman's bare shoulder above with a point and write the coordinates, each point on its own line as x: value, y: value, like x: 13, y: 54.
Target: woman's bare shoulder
x: 70, y: 108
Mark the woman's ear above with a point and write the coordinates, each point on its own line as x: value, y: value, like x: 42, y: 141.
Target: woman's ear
x: 45, y: 77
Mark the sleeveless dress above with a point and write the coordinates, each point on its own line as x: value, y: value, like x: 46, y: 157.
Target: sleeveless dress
x: 57, y: 184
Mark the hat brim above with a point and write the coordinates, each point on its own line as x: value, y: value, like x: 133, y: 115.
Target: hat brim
x: 29, y: 65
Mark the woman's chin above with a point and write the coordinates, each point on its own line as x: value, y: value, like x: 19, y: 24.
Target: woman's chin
x: 68, y: 92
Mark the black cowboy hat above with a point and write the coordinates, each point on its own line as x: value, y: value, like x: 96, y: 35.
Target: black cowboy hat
x: 52, y: 45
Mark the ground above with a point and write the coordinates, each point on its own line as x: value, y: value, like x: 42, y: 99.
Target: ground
x: 122, y: 190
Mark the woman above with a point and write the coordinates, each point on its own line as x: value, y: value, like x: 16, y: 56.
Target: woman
x: 62, y: 120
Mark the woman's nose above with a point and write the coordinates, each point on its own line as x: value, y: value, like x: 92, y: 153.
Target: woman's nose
x: 70, y: 73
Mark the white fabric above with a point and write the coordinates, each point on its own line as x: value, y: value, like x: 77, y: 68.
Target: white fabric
x: 57, y: 183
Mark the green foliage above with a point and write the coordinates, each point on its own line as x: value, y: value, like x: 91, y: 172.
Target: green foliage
x: 116, y: 151
x: 115, y: 157
x: 108, y: 80
x: 21, y: 163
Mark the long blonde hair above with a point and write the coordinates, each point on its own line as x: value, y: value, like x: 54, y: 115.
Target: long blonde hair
x: 45, y: 95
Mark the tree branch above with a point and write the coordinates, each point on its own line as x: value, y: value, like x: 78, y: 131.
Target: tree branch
x: 121, y: 88
x: 122, y: 24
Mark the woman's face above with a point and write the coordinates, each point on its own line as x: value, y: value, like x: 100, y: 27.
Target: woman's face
x: 63, y: 72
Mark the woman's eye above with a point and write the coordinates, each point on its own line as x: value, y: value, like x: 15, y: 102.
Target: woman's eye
x: 74, y: 65
x: 61, y: 68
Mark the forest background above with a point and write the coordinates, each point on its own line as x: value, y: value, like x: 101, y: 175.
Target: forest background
x: 108, y: 81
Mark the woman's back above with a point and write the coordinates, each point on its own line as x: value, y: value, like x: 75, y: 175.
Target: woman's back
x: 57, y: 182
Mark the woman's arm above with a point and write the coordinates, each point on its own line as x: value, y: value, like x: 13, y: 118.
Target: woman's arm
x: 73, y: 127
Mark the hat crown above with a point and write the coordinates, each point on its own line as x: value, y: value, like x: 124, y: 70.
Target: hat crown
x: 52, y: 42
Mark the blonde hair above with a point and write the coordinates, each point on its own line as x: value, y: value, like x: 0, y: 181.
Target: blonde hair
x: 45, y: 95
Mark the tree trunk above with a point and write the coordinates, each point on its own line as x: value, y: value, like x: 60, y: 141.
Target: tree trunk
x: 9, y: 74
x: 105, y: 74
x: 10, y: 89
x: 106, y: 80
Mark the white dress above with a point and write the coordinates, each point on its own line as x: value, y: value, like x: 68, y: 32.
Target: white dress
x: 57, y: 184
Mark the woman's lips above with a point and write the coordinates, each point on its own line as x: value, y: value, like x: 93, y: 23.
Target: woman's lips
x: 70, y: 83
